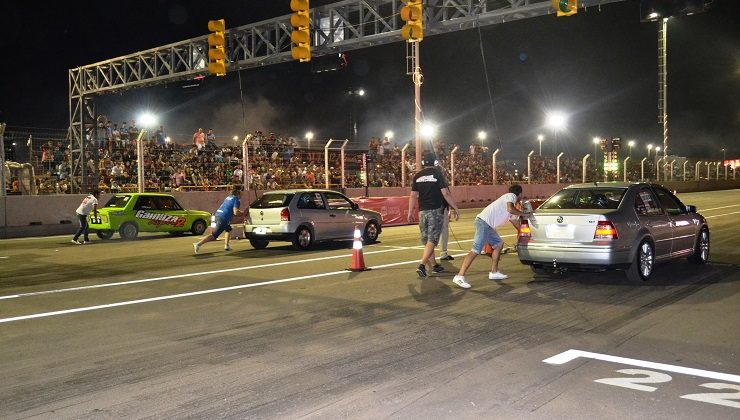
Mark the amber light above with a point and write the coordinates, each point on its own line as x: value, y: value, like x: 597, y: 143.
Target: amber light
x: 524, y: 230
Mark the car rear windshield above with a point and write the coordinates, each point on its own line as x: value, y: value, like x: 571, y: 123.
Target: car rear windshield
x: 118, y: 201
x: 271, y: 201
x: 585, y: 198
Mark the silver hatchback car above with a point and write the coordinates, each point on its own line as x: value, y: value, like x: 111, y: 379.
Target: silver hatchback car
x: 306, y: 216
x: 603, y: 226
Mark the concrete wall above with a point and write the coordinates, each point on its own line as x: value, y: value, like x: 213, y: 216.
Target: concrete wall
x: 23, y: 215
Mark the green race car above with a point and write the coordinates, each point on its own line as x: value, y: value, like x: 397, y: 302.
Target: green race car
x: 131, y: 213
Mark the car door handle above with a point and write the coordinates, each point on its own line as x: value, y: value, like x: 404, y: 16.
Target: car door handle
x: 633, y: 225
x: 332, y: 215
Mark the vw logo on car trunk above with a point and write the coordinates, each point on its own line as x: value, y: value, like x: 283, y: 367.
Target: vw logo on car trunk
x: 560, y: 219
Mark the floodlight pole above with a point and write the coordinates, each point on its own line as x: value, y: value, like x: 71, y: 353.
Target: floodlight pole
x: 624, y: 167
x: 403, y: 164
x: 493, y: 166
x: 671, y: 167
x: 452, y: 165
x: 417, y: 79
x: 642, y: 169
x: 557, y: 164
x: 529, y: 167
x: 696, y: 171
x: 583, y: 163
x: 717, y: 166
x: 684, y: 169
x: 245, y: 160
x: 139, y: 161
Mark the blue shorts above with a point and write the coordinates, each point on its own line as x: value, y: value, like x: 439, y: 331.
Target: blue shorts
x: 221, y: 226
x: 484, y: 233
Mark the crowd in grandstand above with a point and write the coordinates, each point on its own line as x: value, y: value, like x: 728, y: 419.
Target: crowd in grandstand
x: 274, y: 162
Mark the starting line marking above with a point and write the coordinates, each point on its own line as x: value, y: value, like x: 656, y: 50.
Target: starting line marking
x: 188, y: 294
x: 572, y: 354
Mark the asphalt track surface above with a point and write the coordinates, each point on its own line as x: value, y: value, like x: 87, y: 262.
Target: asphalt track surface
x: 146, y: 329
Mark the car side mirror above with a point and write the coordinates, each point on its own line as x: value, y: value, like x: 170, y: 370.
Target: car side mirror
x: 690, y: 209
x: 355, y: 206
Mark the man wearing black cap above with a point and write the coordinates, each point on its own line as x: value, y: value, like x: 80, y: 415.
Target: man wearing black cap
x: 429, y: 190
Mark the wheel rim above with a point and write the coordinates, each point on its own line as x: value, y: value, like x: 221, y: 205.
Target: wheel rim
x: 372, y: 232
x: 129, y: 231
x: 704, y: 245
x: 304, y: 238
x: 646, y: 260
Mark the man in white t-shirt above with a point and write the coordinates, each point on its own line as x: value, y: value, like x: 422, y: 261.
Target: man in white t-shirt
x: 494, y: 215
x: 89, y: 204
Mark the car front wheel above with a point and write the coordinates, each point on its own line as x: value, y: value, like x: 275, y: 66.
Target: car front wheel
x: 303, y: 238
x: 371, y: 233
x: 643, y: 264
x: 199, y: 226
x: 129, y: 231
x: 105, y: 234
x: 701, y: 251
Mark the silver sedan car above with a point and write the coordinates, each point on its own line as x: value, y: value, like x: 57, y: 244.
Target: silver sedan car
x: 306, y: 216
x: 605, y: 226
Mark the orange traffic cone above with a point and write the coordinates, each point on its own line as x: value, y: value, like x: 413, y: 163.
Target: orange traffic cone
x: 358, y: 262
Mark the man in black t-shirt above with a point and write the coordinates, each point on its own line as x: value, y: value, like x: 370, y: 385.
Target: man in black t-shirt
x: 429, y: 190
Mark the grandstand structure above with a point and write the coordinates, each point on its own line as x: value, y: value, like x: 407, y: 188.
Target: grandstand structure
x: 338, y: 27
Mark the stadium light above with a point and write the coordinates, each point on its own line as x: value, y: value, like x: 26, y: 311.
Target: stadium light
x: 389, y: 134
x: 482, y: 135
x: 147, y: 120
x: 556, y: 120
x: 428, y: 130
x: 309, y: 136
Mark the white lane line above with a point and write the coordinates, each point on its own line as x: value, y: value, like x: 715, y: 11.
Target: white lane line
x: 722, y: 207
x: 202, y: 273
x: 720, y: 215
x: 4, y: 257
x: 200, y: 292
x: 572, y: 354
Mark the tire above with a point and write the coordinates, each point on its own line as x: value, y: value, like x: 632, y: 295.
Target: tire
x: 259, y: 243
x: 128, y: 231
x: 303, y: 238
x: 644, y: 263
x: 701, y: 250
x: 371, y: 233
x: 105, y: 234
x: 198, y: 228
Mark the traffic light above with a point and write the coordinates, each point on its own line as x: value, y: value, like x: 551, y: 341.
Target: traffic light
x: 565, y: 7
x: 301, y: 35
x: 217, y: 50
x: 412, y: 14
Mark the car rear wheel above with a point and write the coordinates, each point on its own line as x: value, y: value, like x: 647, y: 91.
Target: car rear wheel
x: 371, y: 233
x: 643, y: 264
x: 128, y: 231
x: 199, y: 226
x: 303, y: 238
x: 701, y: 251
x: 105, y: 234
x: 259, y: 243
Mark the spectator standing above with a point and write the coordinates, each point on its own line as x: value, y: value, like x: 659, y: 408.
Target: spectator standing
x: 199, y: 139
x: 124, y: 134
x: 133, y: 132
x: 89, y: 204
x: 211, y: 139
x: 229, y: 208
x: 494, y: 215
x: 160, y: 135
x: 429, y: 191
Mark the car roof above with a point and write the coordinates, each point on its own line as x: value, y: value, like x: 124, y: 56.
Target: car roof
x: 299, y: 190
x: 606, y: 185
x: 146, y: 193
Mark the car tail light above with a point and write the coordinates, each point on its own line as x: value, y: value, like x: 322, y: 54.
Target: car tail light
x: 524, y: 230
x: 605, y: 230
x: 285, y: 215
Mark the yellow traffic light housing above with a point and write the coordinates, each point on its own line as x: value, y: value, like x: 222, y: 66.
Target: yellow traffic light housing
x: 217, y: 50
x: 413, y: 15
x: 301, y: 35
x: 565, y: 7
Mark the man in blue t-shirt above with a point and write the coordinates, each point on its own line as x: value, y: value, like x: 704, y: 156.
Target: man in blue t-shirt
x: 230, y: 207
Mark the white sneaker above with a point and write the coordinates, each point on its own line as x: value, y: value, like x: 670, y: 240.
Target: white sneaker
x: 460, y: 281
x: 196, y: 247
x: 497, y: 276
x: 227, y: 248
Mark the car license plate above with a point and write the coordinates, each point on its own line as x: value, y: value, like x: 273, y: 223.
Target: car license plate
x: 560, y: 232
x: 260, y: 231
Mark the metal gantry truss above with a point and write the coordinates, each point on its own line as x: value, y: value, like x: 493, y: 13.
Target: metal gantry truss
x: 337, y: 27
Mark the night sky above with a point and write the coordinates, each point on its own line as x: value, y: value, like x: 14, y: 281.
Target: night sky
x: 599, y: 67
